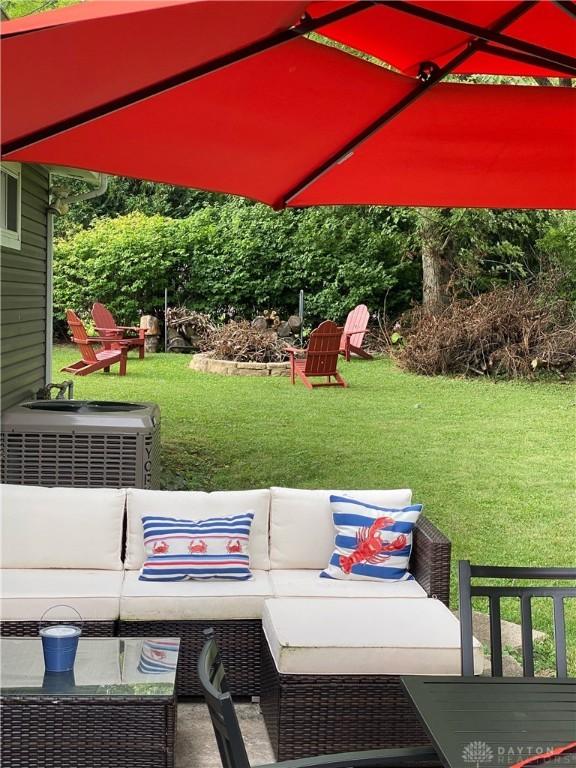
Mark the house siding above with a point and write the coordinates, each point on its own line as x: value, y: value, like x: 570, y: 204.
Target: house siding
x: 23, y: 295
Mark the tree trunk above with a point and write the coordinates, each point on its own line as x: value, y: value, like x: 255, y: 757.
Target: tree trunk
x: 432, y: 246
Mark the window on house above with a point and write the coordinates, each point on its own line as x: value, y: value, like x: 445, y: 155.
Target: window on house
x: 10, y: 205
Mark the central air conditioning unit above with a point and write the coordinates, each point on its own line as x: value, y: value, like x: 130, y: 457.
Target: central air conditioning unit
x: 81, y: 443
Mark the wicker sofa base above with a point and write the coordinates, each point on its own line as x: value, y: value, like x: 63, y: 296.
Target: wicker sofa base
x: 239, y: 641
x: 30, y: 628
x: 87, y: 733
x: 315, y: 715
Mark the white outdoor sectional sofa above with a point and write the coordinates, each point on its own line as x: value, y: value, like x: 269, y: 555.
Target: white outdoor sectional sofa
x: 84, y: 548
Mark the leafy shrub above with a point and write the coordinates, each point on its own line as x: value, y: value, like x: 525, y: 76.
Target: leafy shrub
x: 124, y: 263
x: 558, y: 244
x: 515, y: 332
x: 234, y: 259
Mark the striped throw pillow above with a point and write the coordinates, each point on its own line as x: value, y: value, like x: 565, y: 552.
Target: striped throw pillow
x: 178, y: 550
x: 372, y: 542
x: 158, y: 657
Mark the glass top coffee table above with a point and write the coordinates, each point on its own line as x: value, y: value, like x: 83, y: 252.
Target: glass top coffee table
x: 117, y: 707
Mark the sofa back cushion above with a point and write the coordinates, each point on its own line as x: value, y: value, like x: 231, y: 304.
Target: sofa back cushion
x: 62, y: 527
x: 198, y: 505
x: 301, y: 529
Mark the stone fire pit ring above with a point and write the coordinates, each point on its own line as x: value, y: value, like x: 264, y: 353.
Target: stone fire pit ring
x: 205, y: 364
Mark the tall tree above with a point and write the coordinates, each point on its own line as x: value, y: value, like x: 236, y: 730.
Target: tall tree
x: 433, y: 236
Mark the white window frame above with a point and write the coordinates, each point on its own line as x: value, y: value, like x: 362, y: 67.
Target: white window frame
x: 9, y: 238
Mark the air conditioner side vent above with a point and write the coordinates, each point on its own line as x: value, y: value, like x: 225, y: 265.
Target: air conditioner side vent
x: 73, y: 454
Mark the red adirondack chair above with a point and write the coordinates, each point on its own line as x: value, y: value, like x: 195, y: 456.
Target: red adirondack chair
x: 321, y: 357
x: 92, y: 359
x: 111, y: 332
x: 354, y: 331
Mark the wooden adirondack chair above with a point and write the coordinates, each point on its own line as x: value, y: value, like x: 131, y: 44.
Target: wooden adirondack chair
x: 92, y: 359
x: 112, y: 333
x: 321, y: 357
x: 354, y: 331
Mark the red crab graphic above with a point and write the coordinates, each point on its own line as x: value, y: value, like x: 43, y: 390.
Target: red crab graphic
x: 234, y: 546
x: 197, y: 547
x: 160, y: 548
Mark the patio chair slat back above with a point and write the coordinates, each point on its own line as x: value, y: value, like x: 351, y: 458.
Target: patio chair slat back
x: 216, y: 694
x: 559, y: 637
x: 322, y: 351
x: 525, y: 594
x: 80, y: 337
x: 356, y: 325
x: 104, y: 322
x: 354, y: 332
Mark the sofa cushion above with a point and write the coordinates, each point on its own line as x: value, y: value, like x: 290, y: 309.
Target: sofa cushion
x: 97, y: 662
x: 301, y: 527
x: 183, y: 600
x: 62, y: 527
x: 197, y: 505
x: 364, y: 637
x: 372, y: 542
x: 179, y: 550
x: 306, y: 583
x: 26, y: 594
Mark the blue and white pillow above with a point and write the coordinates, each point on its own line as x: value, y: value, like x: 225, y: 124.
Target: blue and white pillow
x: 372, y: 542
x: 178, y: 550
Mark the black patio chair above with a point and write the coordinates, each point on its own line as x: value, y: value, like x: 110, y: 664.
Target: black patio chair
x: 231, y: 744
x: 467, y: 591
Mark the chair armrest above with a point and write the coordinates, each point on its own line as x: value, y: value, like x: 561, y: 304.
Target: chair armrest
x: 101, y: 339
x: 116, y: 331
x: 373, y: 758
x: 430, y: 561
x: 294, y: 351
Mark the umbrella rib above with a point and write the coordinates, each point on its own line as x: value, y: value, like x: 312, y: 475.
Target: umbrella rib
x: 548, y: 55
x: 421, y: 88
x: 507, y: 53
x: 182, y: 78
x: 567, y: 5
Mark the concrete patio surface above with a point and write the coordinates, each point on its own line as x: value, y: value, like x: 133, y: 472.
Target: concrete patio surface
x: 195, y: 742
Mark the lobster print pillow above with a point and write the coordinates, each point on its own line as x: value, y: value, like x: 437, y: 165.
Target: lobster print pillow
x: 179, y: 550
x: 372, y: 542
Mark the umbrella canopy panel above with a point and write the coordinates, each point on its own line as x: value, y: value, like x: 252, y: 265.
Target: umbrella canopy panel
x: 227, y: 96
x: 392, y: 32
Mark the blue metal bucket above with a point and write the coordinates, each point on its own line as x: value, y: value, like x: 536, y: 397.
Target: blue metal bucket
x: 60, y: 643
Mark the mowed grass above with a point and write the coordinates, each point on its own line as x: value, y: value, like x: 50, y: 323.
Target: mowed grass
x: 492, y: 462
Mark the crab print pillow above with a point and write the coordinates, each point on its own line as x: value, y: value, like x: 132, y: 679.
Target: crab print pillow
x: 178, y: 550
x: 372, y: 543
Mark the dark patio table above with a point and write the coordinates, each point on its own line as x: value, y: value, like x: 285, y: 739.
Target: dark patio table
x: 485, y: 722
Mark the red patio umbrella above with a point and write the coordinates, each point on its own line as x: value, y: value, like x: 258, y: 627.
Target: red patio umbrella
x: 237, y: 97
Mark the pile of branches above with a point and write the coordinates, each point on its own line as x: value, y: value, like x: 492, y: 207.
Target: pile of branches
x: 187, y: 329
x: 241, y: 342
x: 513, y: 332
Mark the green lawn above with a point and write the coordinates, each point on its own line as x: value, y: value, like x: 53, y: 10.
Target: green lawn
x: 493, y: 463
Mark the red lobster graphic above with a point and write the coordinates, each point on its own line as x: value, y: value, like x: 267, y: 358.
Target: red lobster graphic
x: 233, y: 546
x: 369, y: 546
x: 197, y: 547
x: 160, y: 548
